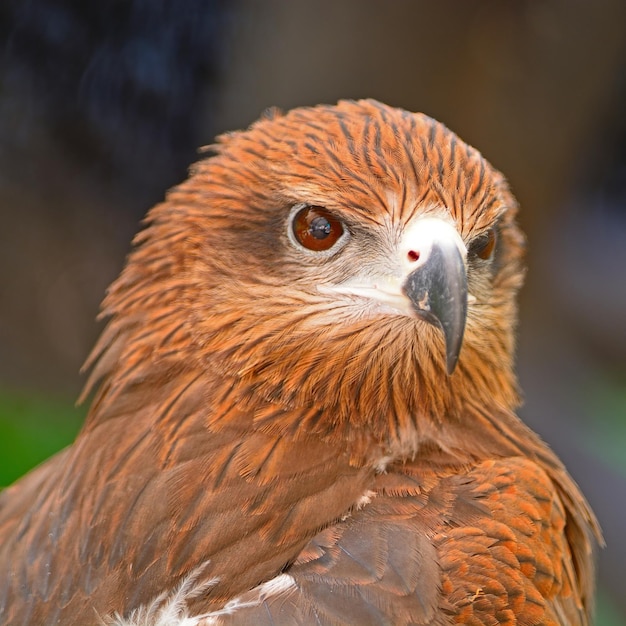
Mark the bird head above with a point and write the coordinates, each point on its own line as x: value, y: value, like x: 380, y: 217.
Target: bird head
x: 356, y: 258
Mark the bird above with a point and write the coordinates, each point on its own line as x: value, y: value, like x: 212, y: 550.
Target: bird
x: 303, y: 406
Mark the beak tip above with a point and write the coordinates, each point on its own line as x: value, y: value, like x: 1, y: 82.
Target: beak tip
x: 454, y: 342
x: 451, y: 362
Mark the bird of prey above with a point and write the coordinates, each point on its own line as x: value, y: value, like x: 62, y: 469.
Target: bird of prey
x: 303, y: 404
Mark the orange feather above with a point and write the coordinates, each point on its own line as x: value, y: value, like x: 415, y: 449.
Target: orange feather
x: 273, y: 436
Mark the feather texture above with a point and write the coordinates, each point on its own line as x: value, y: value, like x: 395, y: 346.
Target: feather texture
x: 263, y: 448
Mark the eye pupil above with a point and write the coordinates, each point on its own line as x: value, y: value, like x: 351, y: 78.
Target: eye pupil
x: 315, y: 228
x: 320, y: 228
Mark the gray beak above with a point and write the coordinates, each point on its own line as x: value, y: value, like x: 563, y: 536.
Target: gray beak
x: 437, y: 290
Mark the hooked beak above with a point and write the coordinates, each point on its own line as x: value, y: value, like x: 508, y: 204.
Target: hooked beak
x: 437, y: 286
x: 429, y: 281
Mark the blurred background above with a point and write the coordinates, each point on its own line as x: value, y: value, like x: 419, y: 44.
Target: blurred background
x: 102, y: 107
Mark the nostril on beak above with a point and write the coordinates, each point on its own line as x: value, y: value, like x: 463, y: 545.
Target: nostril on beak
x: 413, y: 255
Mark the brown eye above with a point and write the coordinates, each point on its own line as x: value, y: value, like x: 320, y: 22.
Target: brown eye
x: 316, y: 229
x: 484, y: 246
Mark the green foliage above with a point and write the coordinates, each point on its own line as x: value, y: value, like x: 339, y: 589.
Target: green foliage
x: 32, y: 428
x: 607, y: 613
x: 608, y: 435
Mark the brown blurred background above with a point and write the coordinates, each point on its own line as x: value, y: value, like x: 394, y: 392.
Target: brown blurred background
x: 102, y: 106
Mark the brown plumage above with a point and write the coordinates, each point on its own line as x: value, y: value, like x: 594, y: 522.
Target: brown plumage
x: 280, y: 431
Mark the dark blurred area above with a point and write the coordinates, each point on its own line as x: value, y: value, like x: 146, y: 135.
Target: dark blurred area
x: 102, y: 107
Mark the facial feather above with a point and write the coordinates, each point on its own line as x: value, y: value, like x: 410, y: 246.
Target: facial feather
x: 216, y: 279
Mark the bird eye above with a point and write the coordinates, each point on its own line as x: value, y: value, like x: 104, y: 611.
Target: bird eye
x: 316, y: 229
x: 484, y: 245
